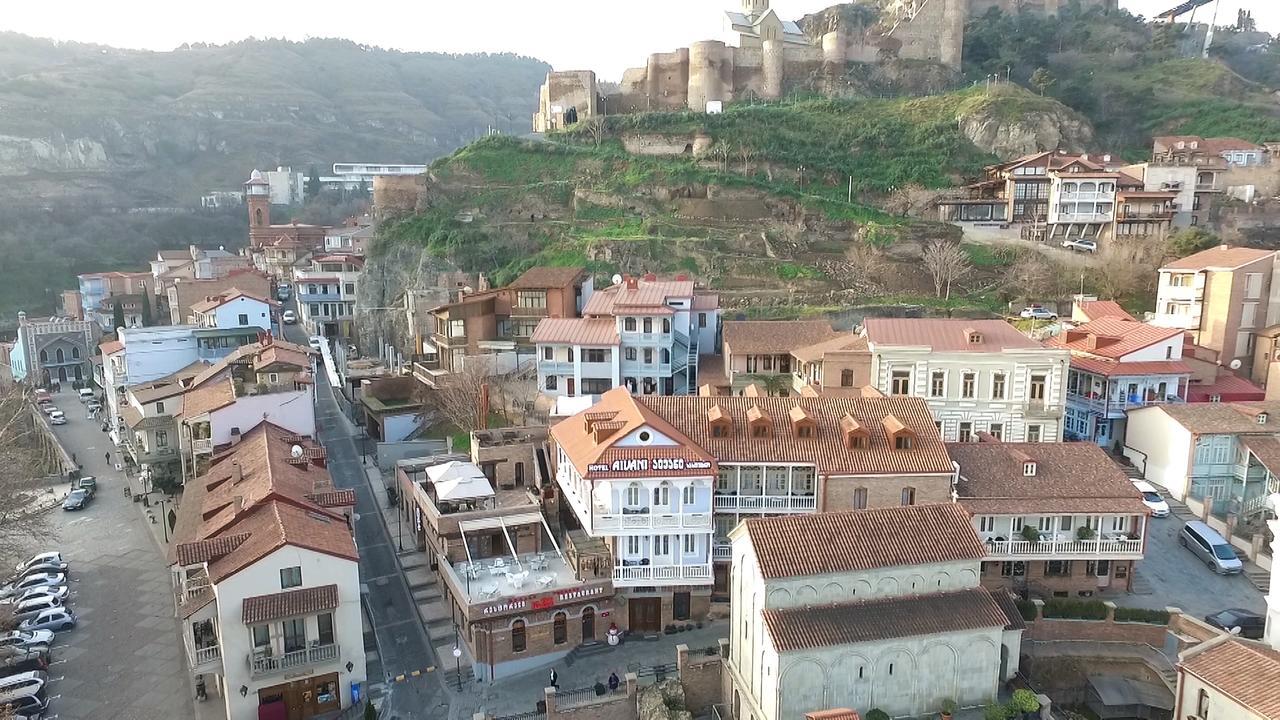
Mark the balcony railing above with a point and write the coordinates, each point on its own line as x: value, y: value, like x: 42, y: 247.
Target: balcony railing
x: 555, y: 367
x: 202, y: 446
x: 1084, y: 217
x: 517, y: 311
x: 1093, y: 196
x: 1063, y: 548
x: 651, y: 521
x: 766, y: 503
x: 1146, y: 215
x: 262, y: 666
x: 1121, y: 403
x: 1206, y: 187
x: 1042, y: 408
x: 646, y: 338
x: 624, y: 575
x: 722, y: 552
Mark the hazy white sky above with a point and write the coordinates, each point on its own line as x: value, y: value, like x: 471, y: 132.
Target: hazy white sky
x: 603, y: 35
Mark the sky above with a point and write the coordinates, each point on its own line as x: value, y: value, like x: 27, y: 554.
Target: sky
x: 607, y: 36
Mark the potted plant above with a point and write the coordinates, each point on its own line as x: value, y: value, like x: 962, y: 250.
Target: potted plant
x: 1024, y: 702
x: 1030, y: 533
x: 948, y: 709
x: 1084, y: 532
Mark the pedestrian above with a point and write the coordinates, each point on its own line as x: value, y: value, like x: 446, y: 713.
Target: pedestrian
x: 107, y: 457
x: 613, y: 682
x: 74, y: 461
x: 555, y: 679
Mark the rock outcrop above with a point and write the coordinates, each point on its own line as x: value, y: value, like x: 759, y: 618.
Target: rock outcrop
x: 1012, y: 129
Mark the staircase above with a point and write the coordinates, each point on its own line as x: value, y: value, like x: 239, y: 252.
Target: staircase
x: 1260, y: 578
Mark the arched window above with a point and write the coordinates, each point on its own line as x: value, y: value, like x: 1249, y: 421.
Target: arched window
x: 846, y: 378
x: 632, y: 494
x: 517, y: 636
x: 257, y: 216
x: 559, y: 630
x: 75, y: 353
x: 666, y: 356
x: 666, y: 325
x: 61, y: 355
x: 662, y: 494
x: 44, y: 356
x: 629, y: 324
x: 588, y: 624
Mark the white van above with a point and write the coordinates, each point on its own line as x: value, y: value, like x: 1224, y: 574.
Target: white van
x: 1210, y: 547
x: 86, y: 394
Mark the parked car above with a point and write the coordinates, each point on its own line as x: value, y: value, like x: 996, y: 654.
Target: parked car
x: 93, y: 406
x: 23, y: 584
x: 1037, y: 312
x: 282, y: 292
x: 44, y: 567
x: 48, y: 408
x: 15, y: 638
x: 57, y: 417
x: 315, y: 342
x: 24, y: 663
x: 9, y: 683
x: 89, y: 484
x: 76, y: 500
x: 1152, y: 499
x: 1210, y: 547
x: 1251, y: 624
x: 1089, y: 246
x: 55, y: 619
x: 43, y: 395
x: 34, y: 606
x: 86, y: 394
x: 55, y: 591
x: 51, y: 557
x: 26, y: 703
x: 288, y: 317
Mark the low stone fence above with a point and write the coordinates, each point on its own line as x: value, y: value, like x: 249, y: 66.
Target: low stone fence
x: 586, y: 705
x: 1106, y: 629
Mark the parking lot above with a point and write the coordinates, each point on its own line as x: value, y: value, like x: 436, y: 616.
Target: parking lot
x: 1170, y: 575
x: 124, y: 659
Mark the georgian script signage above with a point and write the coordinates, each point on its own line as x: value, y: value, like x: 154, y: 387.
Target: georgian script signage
x: 544, y: 602
x: 640, y: 465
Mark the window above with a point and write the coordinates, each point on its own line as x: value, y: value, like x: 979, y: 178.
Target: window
x: 648, y: 356
x: 261, y: 636
x: 1057, y: 568
x: 908, y: 496
x: 457, y: 328
x: 1037, y: 387
x: 75, y: 353
x: 690, y: 544
x: 159, y: 407
x: 902, y: 442
x: 550, y: 382
x: 1064, y: 522
x: 1202, y: 705
x: 531, y: 299
x: 860, y: 499
x: 1044, y: 524
x: 295, y: 634
x: 242, y: 319
x: 290, y: 577
x: 349, y: 289
x: 1120, y: 523
x: 937, y: 383
x: 324, y: 623
x: 901, y: 383
x: 648, y: 325
x: 629, y: 324
x: 596, y: 386
x: 1029, y: 468
x: 986, y: 523
x: 846, y: 378
x: 1033, y: 433
x: 548, y: 353
x: 996, y: 430
x: 720, y: 430
x: 662, y: 494
x: 666, y: 325
x: 633, y: 545
x: 966, y: 432
x: 559, y: 631
x: 968, y: 385
x: 661, y: 544
x: 702, y: 320
x: 804, y: 431
x: 687, y: 494
x: 631, y: 496
x: 315, y: 309
x: 594, y: 356
x: 997, y: 386
x: 630, y: 354
x: 517, y: 636
x: 162, y: 438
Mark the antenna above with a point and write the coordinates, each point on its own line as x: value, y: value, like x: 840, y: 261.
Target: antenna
x: 296, y: 451
x: 1235, y: 364
x: 617, y: 279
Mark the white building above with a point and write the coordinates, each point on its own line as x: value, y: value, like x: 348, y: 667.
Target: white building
x: 286, y: 186
x: 266, y: 580
x: 140, y: 356
x: 977, y: 375
x: 853, y: 610
x: 366, y: 172
x: 234, y: 308
x: 642, y: 334
x: 1228, y: 678
x: 327, y: 294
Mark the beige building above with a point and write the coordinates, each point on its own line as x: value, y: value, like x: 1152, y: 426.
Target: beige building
x: 1222, y: 297
x: 1228, y: 678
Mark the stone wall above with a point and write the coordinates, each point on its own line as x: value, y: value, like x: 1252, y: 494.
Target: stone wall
x: 700, y: 676
x: 1044, y: 629
x: 395, y: 195
x: 621, y: 705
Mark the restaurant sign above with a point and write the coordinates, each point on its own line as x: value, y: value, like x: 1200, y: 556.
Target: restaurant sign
x: 640, y: 465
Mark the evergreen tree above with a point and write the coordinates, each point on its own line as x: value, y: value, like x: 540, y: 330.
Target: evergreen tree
x: 146, y: 309
x: 117, y: 315
x: 312, y: 188
x: 1042, y: 80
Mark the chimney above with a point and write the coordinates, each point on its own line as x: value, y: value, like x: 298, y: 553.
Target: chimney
x: 235, y: 436
x: 482, y: 283
x: 650, y: 277
x: 632, y: 283
x: 237, y: 474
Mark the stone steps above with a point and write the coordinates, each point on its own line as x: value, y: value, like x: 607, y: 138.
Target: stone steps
x: 1260, y: 578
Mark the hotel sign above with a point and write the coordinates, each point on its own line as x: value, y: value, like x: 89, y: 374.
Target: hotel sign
x: 544, y: 602
x: 640, y: 465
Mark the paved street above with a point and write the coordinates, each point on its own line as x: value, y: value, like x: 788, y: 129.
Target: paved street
x: 124, y: 660
x: 1171, y: 576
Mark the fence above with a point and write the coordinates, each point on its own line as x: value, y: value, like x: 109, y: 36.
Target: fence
x: 531, y: 715
x: 650, y: 674
x: 566, y: 699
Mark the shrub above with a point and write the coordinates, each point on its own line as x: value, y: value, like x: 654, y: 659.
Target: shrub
x: 1030, y: 534
x: 877, y: 714
x: 1026, y: 608
x: 993, y: 712
x: 1084, y: 533
x: 948, y: 707
x: 1075, y: 609
x: 1024, y: 701
x: 1142, y: 615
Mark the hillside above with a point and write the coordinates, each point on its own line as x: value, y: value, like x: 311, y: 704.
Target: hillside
x: 81, y: 122
x: 759, y: 204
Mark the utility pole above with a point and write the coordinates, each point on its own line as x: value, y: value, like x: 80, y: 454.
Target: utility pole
x: 850, y: 189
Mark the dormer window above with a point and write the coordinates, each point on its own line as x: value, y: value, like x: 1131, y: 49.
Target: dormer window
x: 902, y: 442
x: 804, y: 431
x: 1029, y: 468
x: 855, y: 435
x: 1262, y: 418
x: 721, y: 423
x: 975, y: 337
x: 803, y: 423
x: 761, y: 425
x: 760, y: 431
x: 902, y: 437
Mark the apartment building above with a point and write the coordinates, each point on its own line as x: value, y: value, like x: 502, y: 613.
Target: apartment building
x: 853, y: 610
x: 1228, y: 678
x: 1222, y: 299
x: 234, y: 309
x: 501, y: 321
x: 1225, y: 455
x: 759, y: 351
x: 1196, y: 182
x: 148, y: 415
x: 180, y: 294
x: 976, y: 375
x: 141, y: 355
x: 264, y: 381
x: 266, y: 580
x: 352, y: 239
x: 55, y: 350
x: 660, y: 481
x: 1056, y: 519
x: 643, y: 334
x: 96, y: 288
x: 1236, y: 152
x: 1118, y: 365
x: 327, y: 294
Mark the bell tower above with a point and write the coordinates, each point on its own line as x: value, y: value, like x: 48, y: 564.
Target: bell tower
x: 257, y: 196
x: 754, y: 8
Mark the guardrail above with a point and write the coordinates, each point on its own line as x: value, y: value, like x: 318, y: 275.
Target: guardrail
x: 264, y: 666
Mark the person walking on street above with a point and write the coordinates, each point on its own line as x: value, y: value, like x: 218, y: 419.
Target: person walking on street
x: 613, y: 682
x: 555, y: 679
x: 107, y: 458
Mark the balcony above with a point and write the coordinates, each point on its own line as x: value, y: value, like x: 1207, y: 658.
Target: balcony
x: 203, y: 659
x: 1145, y: 215
x: 1068, y: 196
x: 555, y: 367
x: 722, y: 552
x: 1069, y: 549
x: 650, y: 521
x: 448, y: 340
x: 631, y: 575
x: 1207, y: 187
x: 1079, y: 217
x: 1040, y: 408
x: 1119, y: 404
x: 265, y: 665
x: 202, y: 446
x: 192, y: 592
x: 637, y: 368
x: 646, y: 338
x: 765, y: 503
x: 517, y: 311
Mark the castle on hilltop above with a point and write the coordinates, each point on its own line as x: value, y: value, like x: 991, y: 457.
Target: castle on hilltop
x: 772, y: 56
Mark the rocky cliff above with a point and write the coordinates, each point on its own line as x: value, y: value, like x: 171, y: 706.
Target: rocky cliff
x: 1012, y: 122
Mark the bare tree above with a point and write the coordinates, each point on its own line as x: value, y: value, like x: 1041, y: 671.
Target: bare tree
x: 746, y: 154
x: 910, y: 199
x: 23, y: 519
x: 457, y: 396
x: 720, y: 151
x: 594, y: 128
x: 947, y: 263
x: 1029, y: 277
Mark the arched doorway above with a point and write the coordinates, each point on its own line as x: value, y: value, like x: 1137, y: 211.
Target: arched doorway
x: 62, y: 374
x: 588, y: 624
x: 559, y: 629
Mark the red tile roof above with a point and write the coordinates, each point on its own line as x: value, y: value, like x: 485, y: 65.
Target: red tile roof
x: 111, y: 347
x: 576, y: 331
x: 947, y: 335
x: 648, y: 297
x: 289, y: 604
x: 1098, y: 309
x: 1112, y: 337
x: 773, y: 337
x: 836, y: 542
x: 1228, y: 388
x: 227, y: 296
x: 1223, y: 257
x: 1069, y: 477
x: 1236, y: 418
x: 1243, y: 670
x: 543, y: 277
x: 808, y: 628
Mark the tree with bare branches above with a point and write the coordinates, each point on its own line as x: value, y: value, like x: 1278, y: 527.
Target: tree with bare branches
x: 947, y: 263
x: 457, y: 396
x: 1030, y: 276
x: 594, y: 129
x: 746, y: 154
x: 23, y: 517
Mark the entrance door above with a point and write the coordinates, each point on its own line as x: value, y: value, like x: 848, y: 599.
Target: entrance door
x: 568, y: 383
x: 645, y: 614
x: 680, y: 606
x: 588, y: 625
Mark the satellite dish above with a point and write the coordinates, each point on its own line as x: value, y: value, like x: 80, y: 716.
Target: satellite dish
x: 617, y: 279
x: 296, y: 451
x: 1235, y: 364
x: 467, y: 289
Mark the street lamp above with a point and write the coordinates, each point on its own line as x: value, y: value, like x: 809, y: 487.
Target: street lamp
x: 457, y: 661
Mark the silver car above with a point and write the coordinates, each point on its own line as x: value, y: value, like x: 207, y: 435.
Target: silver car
x: 33, y: 607
x: 53, y: 556
x: 56, y: 619
x: 32, y: 581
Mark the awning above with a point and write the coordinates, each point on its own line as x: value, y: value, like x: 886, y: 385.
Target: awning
x: 459, y: 481
x: 291, y: 603
x: 493, y: 523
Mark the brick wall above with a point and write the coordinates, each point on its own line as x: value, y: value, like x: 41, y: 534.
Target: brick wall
x: 700, y: 676
x: 1108, y: 630
x: 1078, y: 583
x: 884, y: 491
